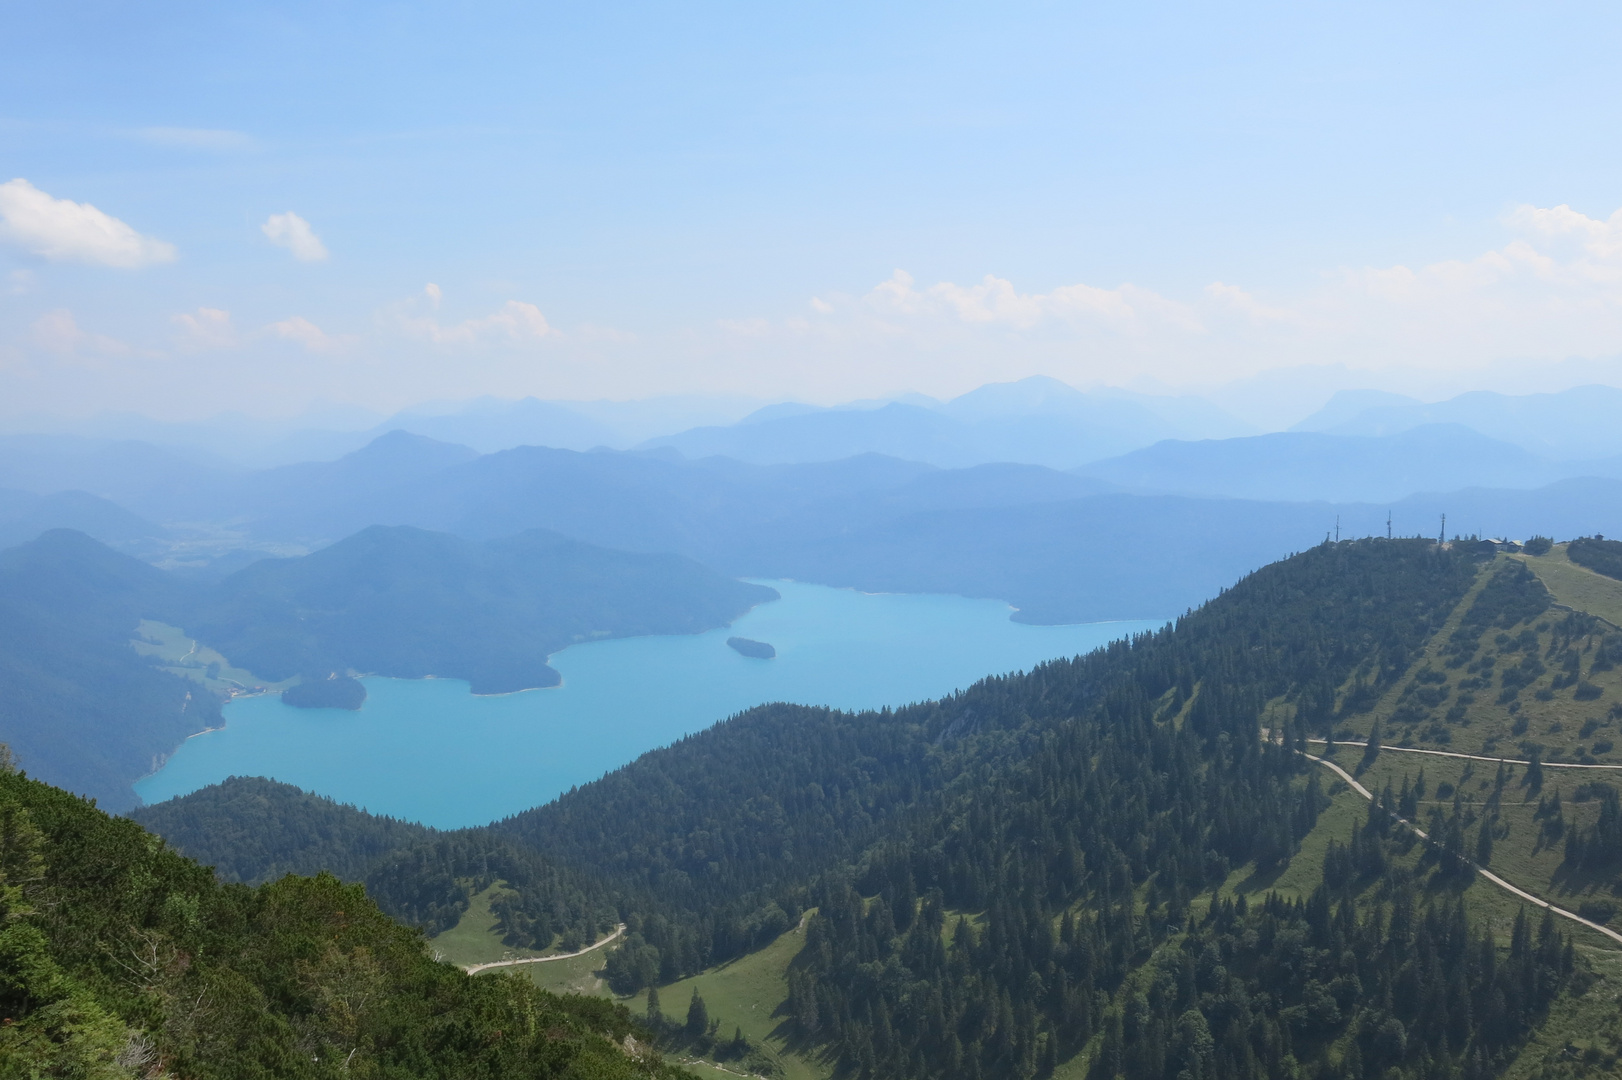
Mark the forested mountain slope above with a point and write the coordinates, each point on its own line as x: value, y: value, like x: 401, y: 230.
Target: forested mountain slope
x: 254, y: 831
x: 121, y: 959
x: 1092, y: 817
x: 76, y: 701
x: 406, y: 602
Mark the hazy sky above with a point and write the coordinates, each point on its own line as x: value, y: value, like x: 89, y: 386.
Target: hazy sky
x: 210, y: 206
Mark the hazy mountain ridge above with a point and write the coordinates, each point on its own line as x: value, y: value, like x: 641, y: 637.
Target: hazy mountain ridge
x: 403, y: 478
x: 25, y: 515
x: 1036, y: 421
x: 139, y: 476
x: 1060, y: 546
x: 1572, y: 425
x: 1316, y: 466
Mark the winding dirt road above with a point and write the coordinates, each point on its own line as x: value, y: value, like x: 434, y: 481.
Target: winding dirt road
x: 1483, y: 871
x: 1469, y: 757
x: 474, y: 969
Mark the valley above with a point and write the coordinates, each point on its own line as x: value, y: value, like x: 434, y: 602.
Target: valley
x: 867, y: 542
x: 1067, y: 828
x: 796, y: 813
x: 1524, y: 851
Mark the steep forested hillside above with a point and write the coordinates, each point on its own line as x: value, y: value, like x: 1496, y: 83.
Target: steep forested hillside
x: 1037, y: 874
x: 76, y: 701
x: 121, y: 959
x: 254, y: 830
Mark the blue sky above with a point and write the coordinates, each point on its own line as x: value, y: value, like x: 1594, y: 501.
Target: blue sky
x: 634, y: 199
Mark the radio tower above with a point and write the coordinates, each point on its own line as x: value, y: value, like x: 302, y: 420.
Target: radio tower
x: 1442, y: 537
x: 1388, y: 524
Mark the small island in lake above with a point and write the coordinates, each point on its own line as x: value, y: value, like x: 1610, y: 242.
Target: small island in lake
x: 759, y: 650
x: 333, y: 692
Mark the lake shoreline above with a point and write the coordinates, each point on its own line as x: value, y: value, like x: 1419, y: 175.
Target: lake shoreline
x: 429, y: 750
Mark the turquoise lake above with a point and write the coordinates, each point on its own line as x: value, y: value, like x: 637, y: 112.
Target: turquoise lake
x: 427, y: 750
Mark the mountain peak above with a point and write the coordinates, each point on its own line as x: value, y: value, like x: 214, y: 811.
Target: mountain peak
x: 1347, y: 405
x: 1034, y: 393
x: 400, y: 445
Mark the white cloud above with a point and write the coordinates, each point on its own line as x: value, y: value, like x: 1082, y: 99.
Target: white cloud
x: 304, y: 332
x: 206, y: 328
x: 1548, y: 290
x: 20, y: 282
x: 61, y: 230
x: 1551, y: 290
x: 1243, y: 303
x: 58, y: 332
x: 996, y: 303
x: 294, y: 233
x: 513, y: 321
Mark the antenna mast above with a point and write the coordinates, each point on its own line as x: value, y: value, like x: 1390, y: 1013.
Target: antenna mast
x: 1388, y: 524
x: 1442, y: 537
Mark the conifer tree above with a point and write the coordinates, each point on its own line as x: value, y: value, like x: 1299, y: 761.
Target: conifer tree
x: 698, y: 1017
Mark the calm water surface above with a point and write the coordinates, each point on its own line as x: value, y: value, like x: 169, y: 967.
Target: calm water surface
x: 427, y: 750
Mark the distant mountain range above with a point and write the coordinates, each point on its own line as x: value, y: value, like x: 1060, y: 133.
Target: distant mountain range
x: 1036, y: 421
x: 24, y: 515
x: 1311, y: 466
x: 1140, y: 535
x: 1363, y: 445
x: 1573, y: 425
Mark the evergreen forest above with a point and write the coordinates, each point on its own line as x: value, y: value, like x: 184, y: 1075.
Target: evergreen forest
x: 1037, y: 875
x: 120, y: 959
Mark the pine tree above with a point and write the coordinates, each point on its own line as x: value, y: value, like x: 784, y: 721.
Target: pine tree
x: 698, y: 1017
x: 1533, y: 780
x: 1371, y: 750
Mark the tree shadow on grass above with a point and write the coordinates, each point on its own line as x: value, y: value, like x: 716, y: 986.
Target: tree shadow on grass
x: 1259, y: 880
